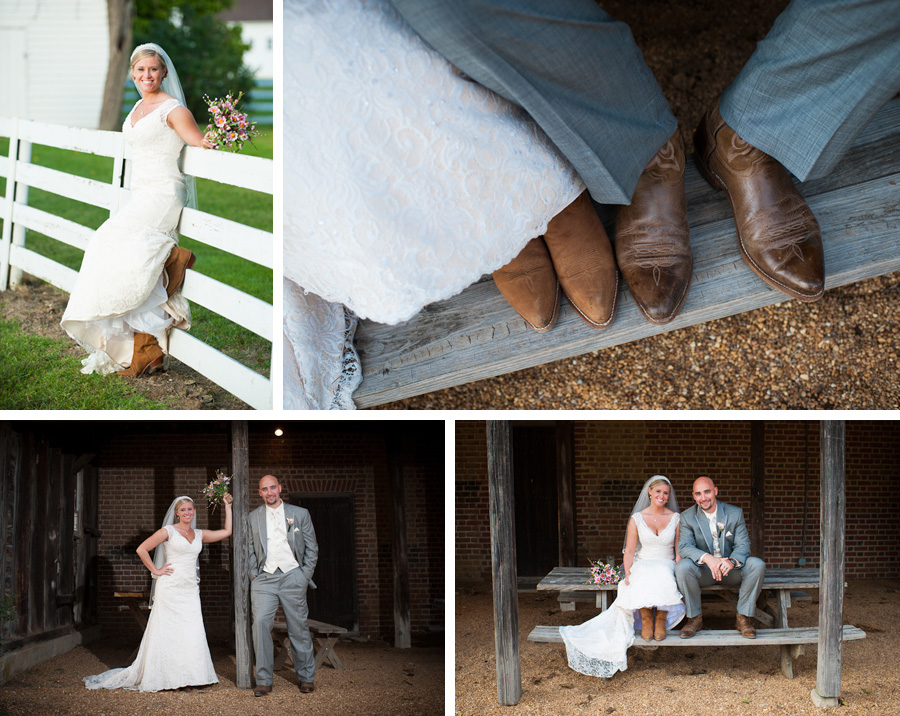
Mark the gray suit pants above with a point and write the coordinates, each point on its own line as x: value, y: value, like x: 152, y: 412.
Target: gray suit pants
x: 818, y: 77
x: 266, y: 591
x: 692, y: 577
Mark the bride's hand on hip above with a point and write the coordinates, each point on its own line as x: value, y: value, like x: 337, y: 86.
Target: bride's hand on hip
x: 166, y: 569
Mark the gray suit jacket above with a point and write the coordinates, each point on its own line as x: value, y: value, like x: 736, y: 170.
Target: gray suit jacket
x: 301, y: 537
x: 695, y: 539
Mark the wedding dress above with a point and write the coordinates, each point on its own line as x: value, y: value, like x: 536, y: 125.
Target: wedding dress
x: 597, y: 647
x: 173, y: 652
x: 404, y: 183
x: 121, y: 289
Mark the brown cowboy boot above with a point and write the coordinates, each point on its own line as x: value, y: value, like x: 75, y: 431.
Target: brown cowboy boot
x: 744, y: 626
x: 777, y: 233
x: 529, y: 283
x: 584, y: 261
x: 646, y: 624
x: 659, y: 632
x: 179, y: 261
x: 147, y: 357
x: 692, y: 626
x: 653, y: 244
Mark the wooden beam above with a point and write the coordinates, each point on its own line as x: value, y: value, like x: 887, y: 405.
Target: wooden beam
x: 757, y: 488
x: 402, y: 637
x: 832, y: 507
x: 565, y: 488
x: 503, y: 561
x: 240, y: 541
x: 82, y: 460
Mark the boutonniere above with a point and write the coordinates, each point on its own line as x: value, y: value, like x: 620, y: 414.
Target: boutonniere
x: 290, y: 521
x: 721, y: 526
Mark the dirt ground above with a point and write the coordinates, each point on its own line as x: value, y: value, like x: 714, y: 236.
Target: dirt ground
x: 376, y: 680
x: 666, y: 681
x: 841, y: 352
x: 38, y: 308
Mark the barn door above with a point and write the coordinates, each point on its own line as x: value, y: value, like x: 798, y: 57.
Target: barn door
x: 334, y: 601
x: 534, y: 470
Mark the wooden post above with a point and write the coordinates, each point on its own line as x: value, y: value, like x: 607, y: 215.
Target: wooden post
x: 565, y: 484
x: 240, y: 540
x: 831, y: 588
x: 757, y: 488
x: 503, y: 561
x: 402, y: 638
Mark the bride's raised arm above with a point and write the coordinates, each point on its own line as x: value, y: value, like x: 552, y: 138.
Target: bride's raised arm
x: 631, y: 540
x: 219, y: 535
x: 185, y: 126
x: 152, y: 542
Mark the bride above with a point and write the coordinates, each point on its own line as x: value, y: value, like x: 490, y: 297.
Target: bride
x: 126, y: 296
x: 175, y: 616
x: 405, y: 183
x: 597, y: 647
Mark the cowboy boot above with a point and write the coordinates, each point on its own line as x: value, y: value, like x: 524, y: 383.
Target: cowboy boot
x: 584, y: 261
x: 745, y: 627
x: 646, y: 624
x: 529, y: 284
x: 653, y: 244
x: 659, y: 632
x: 692, y: 626
x: 778, y: 235
x: 147, y: 358
x: 179, y: 261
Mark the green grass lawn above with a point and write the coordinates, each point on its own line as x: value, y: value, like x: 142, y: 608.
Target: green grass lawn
x: 245, y: 206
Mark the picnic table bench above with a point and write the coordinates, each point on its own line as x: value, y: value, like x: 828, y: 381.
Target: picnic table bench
x: 477, y: 335
x: 325, y: 635
x: 572, y: 585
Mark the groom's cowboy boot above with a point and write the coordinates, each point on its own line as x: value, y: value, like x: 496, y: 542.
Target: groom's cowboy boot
x: 692, y: 626
x: 653, y: 244
x: 307, y: 687
x: 263, y: 690
x: 777, y: 233
x: 529, y: 284
x: 584, y: 261
x: 744, y: 626
x: 179, y: 261
x: 147, y: 357
x: 646, y: 624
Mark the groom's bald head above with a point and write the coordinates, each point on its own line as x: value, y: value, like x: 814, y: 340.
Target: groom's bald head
x: 270, y: 490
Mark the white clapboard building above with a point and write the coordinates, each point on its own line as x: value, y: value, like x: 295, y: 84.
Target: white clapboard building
x: 53, y: 60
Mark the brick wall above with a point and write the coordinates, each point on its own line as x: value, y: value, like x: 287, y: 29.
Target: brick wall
x: 140, y: 475
x: 613, y: 459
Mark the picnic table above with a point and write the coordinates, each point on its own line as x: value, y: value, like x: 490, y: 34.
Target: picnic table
x: 325, y: 635
x: 134, y: 601
x: 573, y: 586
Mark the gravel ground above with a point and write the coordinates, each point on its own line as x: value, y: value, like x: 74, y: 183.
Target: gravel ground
x: 839, y: 353
x: 377, y: 681
x: 682, y: 681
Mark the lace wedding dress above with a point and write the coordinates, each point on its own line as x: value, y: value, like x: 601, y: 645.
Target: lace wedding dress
x: 597, y: 647
x: 173, y: 652
x: 121, y: 289
x: 404, y: 183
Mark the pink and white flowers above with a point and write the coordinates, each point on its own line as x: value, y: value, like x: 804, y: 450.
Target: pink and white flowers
x: 215, y: 491
x: 228, y: 128
x: 602, y: 573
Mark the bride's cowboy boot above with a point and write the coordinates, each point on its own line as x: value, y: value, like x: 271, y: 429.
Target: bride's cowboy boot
x: 653, y: 245
x: 584, y: 261
x: 529, y: 283
x: 659, y: 632
x: 646, y: 624
x: 147, y: 359
x: 778, y: 235
x: 179, y: 261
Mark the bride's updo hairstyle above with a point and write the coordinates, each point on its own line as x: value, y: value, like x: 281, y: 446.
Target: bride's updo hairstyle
x: 179, y: 504
x: 141, y: 52
x: 659, y: 481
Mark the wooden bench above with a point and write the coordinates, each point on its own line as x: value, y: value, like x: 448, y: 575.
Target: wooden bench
x: 477, y: 335
x: 790, y: 639
x: 134, y: 600
x: 325, y: 635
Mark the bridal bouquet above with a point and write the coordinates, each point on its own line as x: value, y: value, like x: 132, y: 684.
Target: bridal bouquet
x: 602, y: 573
x: 215, y: 491
x: 228, y: 128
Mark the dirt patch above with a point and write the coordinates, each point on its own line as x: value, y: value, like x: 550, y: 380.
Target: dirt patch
x: 38, y: 308
x: 376, y: 680
x: 707, y: 681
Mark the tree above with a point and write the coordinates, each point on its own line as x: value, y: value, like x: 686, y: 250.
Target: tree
x: 121, y: 16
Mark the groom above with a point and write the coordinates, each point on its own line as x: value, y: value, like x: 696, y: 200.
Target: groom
x: 283, y: 553
x: 715, y: 547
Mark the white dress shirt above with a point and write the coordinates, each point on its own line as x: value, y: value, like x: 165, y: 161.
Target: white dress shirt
x: 278, y: 552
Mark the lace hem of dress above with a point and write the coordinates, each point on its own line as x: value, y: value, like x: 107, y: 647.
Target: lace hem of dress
x: 351, y: 368
x: 594, y: 667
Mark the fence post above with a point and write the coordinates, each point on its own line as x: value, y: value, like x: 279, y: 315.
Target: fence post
x: 6, y: 215
x: 21, y: 197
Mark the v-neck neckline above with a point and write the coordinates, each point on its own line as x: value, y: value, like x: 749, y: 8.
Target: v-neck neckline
x: 191, y: 541
x: 647, y: 525
x: 152, y: 111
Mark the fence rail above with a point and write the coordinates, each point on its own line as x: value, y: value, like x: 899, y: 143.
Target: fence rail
x: 245, y: 242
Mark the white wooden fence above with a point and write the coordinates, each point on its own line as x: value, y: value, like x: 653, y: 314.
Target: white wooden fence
x: 232, y: 237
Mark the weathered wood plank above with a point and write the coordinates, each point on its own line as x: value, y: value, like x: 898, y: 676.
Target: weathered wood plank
x: 575, y: 578
x: 476, y: 334
x: 240, y: 558
x: 399, y: 555
x: 723, y: 637
x: 757, y: 488
x: 565, y: 485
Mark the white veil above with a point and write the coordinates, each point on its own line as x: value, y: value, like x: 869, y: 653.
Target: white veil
x: 643, y: 500
x: 170, y: 85
x: 159, y: 554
